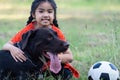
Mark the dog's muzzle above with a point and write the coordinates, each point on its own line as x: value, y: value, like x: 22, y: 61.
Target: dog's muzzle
x: 66, y: 45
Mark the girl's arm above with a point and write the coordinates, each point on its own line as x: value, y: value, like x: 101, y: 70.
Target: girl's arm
x: 66, y: 56
x: 16, y: 53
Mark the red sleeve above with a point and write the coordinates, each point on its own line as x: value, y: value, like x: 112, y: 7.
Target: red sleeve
x: 59, y: 33
x: 18, y: 36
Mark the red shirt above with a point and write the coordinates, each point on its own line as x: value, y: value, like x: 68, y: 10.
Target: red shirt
x: 31, y: 26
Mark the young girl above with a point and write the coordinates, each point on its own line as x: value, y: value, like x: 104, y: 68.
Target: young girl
x: 43, y: 13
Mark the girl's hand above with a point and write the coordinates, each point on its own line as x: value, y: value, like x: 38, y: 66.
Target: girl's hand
x: 17, y: 54
x: 66, y: 57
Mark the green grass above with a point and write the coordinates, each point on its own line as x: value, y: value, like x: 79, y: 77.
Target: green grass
x: 91, y: 26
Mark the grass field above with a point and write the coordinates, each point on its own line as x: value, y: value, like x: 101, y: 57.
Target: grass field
x: 91, y: 26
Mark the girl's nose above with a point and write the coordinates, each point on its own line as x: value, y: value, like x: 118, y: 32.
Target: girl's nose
x: 46, y: 14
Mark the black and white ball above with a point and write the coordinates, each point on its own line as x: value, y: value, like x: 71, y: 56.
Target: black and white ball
x: 103, y: 70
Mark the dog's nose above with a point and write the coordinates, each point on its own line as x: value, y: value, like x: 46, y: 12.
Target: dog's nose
x: 66, y: 44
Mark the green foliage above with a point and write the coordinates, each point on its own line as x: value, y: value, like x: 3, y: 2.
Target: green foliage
x: 91, y: 26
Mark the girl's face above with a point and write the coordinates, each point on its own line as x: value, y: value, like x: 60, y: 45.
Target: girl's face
x: 44, y: 14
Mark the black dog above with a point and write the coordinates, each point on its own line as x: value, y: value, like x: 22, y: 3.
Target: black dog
x: 35, y: 44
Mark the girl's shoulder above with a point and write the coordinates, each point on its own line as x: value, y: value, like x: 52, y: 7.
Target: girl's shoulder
x: 59, y: 32
x: 19, y: 34
x: 56, y: 28
x: 30, y: 26
x: 27, y: 28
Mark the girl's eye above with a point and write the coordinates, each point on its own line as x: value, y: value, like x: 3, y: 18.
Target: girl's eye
x: 40, y: 11
x: 50, y: 11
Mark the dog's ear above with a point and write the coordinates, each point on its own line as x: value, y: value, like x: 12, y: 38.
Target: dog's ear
x: 25, y: 38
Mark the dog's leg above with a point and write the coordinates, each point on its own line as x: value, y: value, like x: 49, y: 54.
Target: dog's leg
x: 8, y: 63
x: 22, y: 76
x: 4, y: 74
x: 1, y: 75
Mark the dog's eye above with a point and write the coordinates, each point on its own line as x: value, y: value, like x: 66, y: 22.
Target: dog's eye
x: 50, y: 37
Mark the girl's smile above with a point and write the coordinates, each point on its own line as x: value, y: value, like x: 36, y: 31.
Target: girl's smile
x: 45, y: 21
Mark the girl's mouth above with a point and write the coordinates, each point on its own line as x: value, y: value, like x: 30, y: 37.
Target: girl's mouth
x: 45, y: 19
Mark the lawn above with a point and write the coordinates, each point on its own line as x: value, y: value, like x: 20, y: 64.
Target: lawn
x: 91, y: 26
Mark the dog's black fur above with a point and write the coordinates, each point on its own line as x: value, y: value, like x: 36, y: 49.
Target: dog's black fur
x: 33, y: 43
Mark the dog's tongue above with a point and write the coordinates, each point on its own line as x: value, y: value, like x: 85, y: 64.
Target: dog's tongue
x: 55, y: 63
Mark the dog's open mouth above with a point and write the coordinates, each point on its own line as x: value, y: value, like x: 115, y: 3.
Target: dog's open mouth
x: 55, y: 62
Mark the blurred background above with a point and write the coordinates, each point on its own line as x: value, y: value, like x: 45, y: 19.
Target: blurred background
x: 91, y: 26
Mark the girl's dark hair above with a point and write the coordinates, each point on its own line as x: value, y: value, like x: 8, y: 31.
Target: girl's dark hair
x: 36, y: 3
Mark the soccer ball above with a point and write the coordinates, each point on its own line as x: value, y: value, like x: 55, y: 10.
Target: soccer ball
x: 103, y: 70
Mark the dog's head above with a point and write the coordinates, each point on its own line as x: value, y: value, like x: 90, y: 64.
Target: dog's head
x: 43, y: 39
